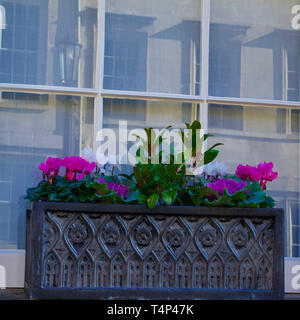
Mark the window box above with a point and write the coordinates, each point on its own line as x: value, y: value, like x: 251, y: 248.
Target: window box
x: 99, y: 251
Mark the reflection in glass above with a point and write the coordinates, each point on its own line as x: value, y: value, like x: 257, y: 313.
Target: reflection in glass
x: 254, y: 51
x: 265, y: 134
x: 33, y: 127
x: 140, y: 114
x: 153, y: 46
x: 34, y: 33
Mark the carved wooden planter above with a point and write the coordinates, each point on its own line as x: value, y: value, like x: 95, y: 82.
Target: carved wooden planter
x: 89, y: 251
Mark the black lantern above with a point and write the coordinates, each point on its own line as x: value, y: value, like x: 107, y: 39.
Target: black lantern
x: 69, y: 55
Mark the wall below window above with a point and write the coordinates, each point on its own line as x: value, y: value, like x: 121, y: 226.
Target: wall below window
x: 12, y: 268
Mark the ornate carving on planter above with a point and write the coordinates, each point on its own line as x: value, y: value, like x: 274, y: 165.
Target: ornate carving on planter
x: 231, y: 273
x: 143, y: 236
x: 215, y: 273
x: 86, y: 271
x: 52, y: 271
x: 208, y: 237
x: 199, y: 273
x: 241, y: 238
x: 102, y: 271
x: 184, y: 273
x: 133, y: 251
x: 176, y: 237
x: 78, y: 234
x: 151, y: 272
x: 69, y: 273
x: 247, y: 274
x: 119, y: 272
x: 168, y: 272
x: 111, y: 235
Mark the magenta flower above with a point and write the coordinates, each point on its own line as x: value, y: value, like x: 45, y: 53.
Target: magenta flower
x: 265, y: 170
x: 77, y: 167
x: 232, y: 186
x: 101, y: 180
x: 51, y: 167
x: 120, y: 189
x: 43, y: 167
x: 90, y: 167
x: 262, y: 173
x: 244, y: 172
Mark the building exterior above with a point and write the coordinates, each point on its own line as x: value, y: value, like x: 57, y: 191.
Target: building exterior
x: 71, y: 67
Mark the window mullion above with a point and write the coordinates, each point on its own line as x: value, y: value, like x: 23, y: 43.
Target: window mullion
x: 205, y: 48
x: 205, y: 62
x: 98, y: 103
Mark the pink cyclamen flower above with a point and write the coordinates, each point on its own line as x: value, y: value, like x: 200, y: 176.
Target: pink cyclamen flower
x: 244, y: 172
x: 51, y: 166
x: 265, y: 170
x: 90, y: 167
x: 77, y: 167
x: 43, y: 167
x: 101, y: 180
x: 120, y: 189
x: 232, y: 186
x: 262, y: 173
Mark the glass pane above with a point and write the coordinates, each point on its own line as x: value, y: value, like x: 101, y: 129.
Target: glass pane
x: 262, y: 134
x: 153, y: 46
x: 254, y: 50
x: 140, y: 114
x: 33, y: 127
x: 49, y: 42
x: 144, y: 114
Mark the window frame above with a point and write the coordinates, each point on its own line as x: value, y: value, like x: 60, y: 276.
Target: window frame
x: 99, y: 93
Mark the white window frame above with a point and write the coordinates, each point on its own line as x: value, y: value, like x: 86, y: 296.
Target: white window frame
x: 99, y: 93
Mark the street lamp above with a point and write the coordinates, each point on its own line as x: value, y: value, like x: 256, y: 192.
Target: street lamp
x: 69, y: 55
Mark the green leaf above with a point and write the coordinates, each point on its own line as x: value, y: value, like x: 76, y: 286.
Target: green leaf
x: 100, y: 188
x: 128, y: 177
x: 152, y: 200
x: 142, y: 199
x: 238, y: 197
x: 156, y: 178
x: 53, y: 197
x: 223, y: 201
x: 255, y: 187
x: 168, y: 197
x: 210, y: 156
x: 82, y: 198
x: 207, y: 135
x: 269, y: 202
x: 256, y: 199
x: 134, y: 196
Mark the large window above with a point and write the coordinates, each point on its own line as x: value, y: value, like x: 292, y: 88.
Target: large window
x: 71, y: 67
x: 35, y: 35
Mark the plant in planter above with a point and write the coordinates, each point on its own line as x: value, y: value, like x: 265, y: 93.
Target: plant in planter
x: 168, y: 230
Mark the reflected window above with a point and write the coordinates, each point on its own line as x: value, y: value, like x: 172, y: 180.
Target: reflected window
x: 149, y: 47
x: 33, y: 127
x: 225, y: 117
x: 288, y: 121
x: 294, y: 228
x: 254, y: 51
x: 293, y: 77
x: 35, y: 31
x: 125, y: 53
x: 21, y: 47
